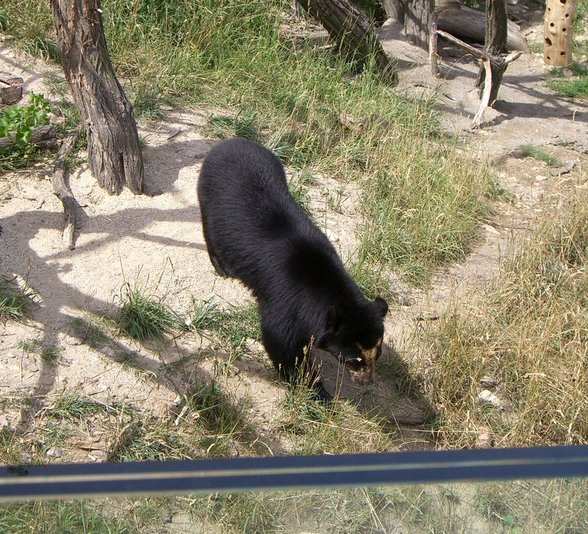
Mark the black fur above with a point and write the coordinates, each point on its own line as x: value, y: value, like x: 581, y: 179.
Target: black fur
x: 256, y: 232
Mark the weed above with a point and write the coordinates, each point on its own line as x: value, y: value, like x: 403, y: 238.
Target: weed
x: 142, y: 317
x: 232, y: 327
x: 41, y: 46
x: 53, y: 517
x: 530, y: 151
x: 70, y: 406
x: 16, y: 299
x: 149, y: 439
x: 223, y: 127
x: 222, y: 418
x: 49, y: 354
x: 300, y: 195
x: 19, y: 122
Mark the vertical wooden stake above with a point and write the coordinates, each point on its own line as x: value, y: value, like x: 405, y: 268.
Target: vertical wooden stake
x: 558, y: 32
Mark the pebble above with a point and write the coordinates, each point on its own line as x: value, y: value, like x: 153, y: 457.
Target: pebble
x: 54, y: 452
x: 489, y: 398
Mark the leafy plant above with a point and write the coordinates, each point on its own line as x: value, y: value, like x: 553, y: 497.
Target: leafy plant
x: 19, y: 122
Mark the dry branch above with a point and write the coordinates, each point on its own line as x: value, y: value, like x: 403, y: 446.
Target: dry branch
x: 487, y: 60
x: 63, y: 191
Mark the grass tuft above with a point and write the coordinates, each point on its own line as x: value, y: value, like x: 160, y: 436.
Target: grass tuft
x: 531, y: 151
x: 143, y: 317
x: 16, y: 300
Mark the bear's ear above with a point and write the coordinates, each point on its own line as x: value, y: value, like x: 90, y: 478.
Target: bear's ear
x: 381, y: 306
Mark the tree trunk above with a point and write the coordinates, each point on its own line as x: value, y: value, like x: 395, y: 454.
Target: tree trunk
x: 558, y: 30
x: 394, y: 10
x: 417, y: 21
x: 113, y: 143
x: 496, y: 30
x: 352, y: 33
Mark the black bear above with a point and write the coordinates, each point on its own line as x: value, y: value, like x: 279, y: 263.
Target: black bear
x: 256, y: 232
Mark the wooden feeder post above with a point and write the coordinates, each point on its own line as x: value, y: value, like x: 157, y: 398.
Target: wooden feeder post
x: 558, y: 32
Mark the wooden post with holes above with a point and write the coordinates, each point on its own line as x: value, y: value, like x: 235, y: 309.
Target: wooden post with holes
x: 558, y: 32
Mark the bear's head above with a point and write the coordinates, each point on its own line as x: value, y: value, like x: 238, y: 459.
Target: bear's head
x: 354, y: 336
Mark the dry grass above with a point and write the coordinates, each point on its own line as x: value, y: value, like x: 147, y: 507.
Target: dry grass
x: 529, y: 334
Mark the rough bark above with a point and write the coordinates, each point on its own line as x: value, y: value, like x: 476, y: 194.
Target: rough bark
x: 470, y: 24
x: 417, y: 21
x: 495, y: 45
x: 559, y: 32
x: 351, y: 31
x: 114, y: 153
x: 394, y: 10
x: 63, y: 191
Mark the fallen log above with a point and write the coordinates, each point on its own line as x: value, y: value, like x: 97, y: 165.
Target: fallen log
x: 470, y: 24
x: 42, y: 137
x: 10, y: 88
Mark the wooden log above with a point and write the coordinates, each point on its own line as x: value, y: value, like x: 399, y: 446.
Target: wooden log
x: 417, y: 21
x: 558, y: 31
x: 42, y: 137
x: 10, y: 88
x: 470, y: 24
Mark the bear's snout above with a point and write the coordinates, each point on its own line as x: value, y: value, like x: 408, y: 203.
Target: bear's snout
x: 363, y: 376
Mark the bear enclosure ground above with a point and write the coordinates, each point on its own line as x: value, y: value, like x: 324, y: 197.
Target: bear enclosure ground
x: 74, y: 388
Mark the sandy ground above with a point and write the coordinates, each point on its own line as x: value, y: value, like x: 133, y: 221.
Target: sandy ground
x: 157, y: 240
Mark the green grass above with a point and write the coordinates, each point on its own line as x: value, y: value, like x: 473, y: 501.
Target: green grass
x: 531, y: 151
x: 422, y: 206
x: 16, y: 300
x: 142, y: 316
x: 48, y: 353
x: 59, y: 517
x: 230, y: 327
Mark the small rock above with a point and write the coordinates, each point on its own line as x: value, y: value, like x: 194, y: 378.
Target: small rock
x: 54, y: 452
x: 97, y: 456
x: 540, y: 178
x: 488, y: 397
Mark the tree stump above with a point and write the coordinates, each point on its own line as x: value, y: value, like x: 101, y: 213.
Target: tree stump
x: 558, y: 31
x: 114, y: 153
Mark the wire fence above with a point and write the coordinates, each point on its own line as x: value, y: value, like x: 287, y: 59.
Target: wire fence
x: 206, y: 476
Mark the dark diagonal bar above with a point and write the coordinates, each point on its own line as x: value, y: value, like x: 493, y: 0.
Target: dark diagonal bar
x: 61, y: 481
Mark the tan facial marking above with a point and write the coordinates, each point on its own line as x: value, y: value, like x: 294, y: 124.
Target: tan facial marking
x: 364, y: 374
